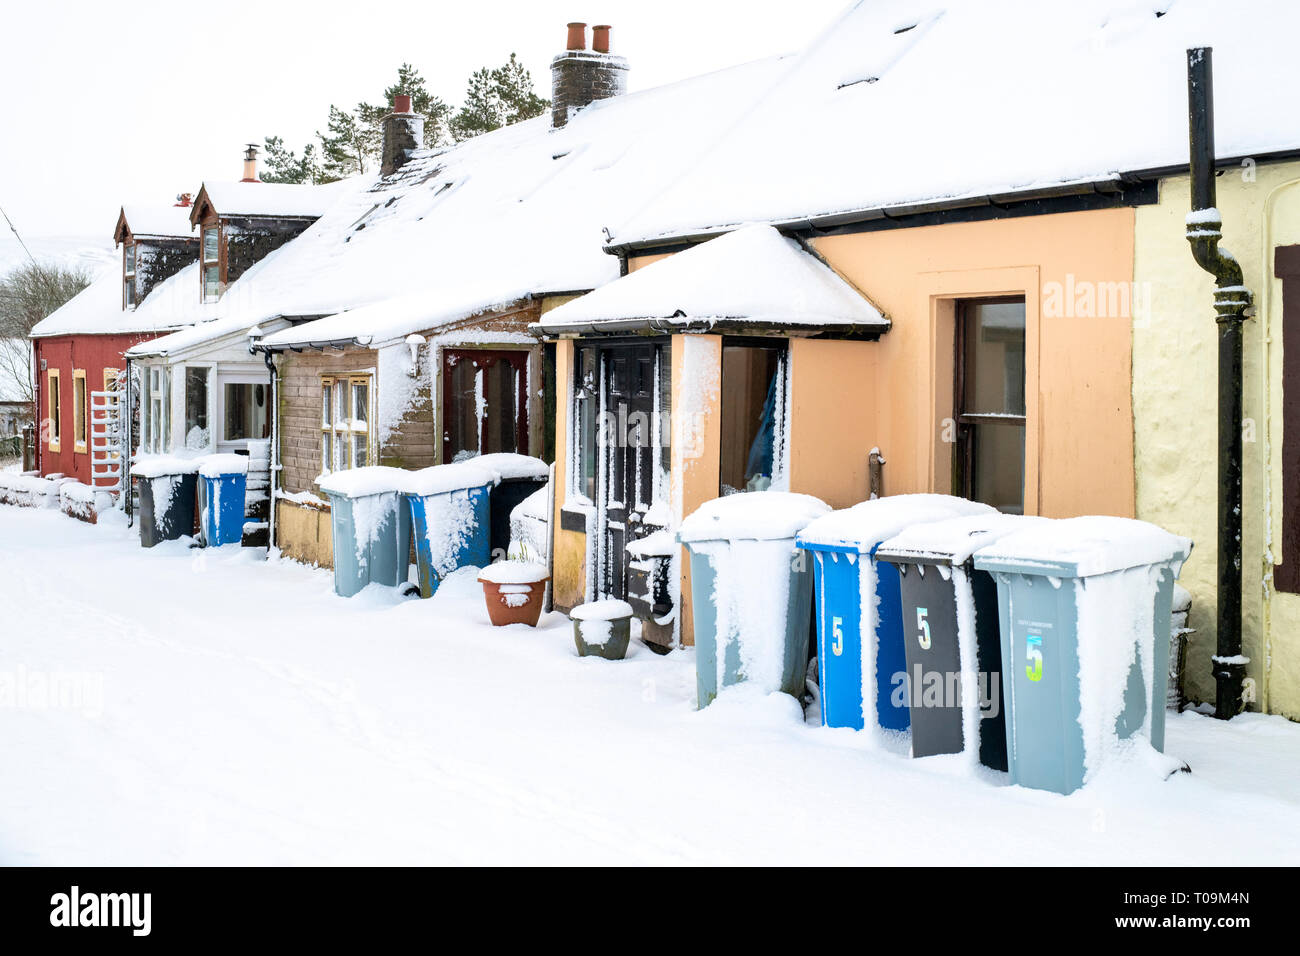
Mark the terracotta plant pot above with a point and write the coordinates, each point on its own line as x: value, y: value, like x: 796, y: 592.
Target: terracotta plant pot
x: 516, y: 602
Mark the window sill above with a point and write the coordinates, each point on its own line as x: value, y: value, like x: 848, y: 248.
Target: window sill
x: 80, y: 448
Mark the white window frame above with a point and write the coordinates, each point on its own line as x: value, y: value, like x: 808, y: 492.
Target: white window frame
x: 218, y: 404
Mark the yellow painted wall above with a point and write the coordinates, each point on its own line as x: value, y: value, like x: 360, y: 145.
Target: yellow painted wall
x: 1175, y: 411
x: 1079, y: 431
x: 304, y: 533
x: 569, y: 574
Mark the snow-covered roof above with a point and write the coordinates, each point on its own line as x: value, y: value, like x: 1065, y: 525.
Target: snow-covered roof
x: 903, y: 103
x: 516, y: 212
x: 754, y: 276
x: 162, y: 221
x: 267, y: 199
x: 193, y: 336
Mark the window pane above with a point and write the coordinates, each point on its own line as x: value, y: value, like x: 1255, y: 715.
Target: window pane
x: 128, y: 290
x: 749, y: 388
x: 360, y: 403
x: 341, y: 452
x: 326, y: 404
x: 587, y: 446
x: 211, y: 283
x: 994, y: 371
x: 359, y: 452
x: 196, y: 408
x: 130, y: 259
x: 999, y: 466
x: 210, y: 250
x: 246, y: 412
x: 325, y: 452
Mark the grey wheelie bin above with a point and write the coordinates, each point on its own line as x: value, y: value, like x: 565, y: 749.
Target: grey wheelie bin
x: 950, y: 633
x: 751, y: 591
x: 1084, y: 610
x: 371, y: 527
x: 167, y: 497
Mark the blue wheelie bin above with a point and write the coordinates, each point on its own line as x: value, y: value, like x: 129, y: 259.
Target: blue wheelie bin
x: 843, y: 546
x: 222, y: 484
x: 751, y: 595
x: 371, y: 527
x: 1084, y: 612
x: 450, y: 519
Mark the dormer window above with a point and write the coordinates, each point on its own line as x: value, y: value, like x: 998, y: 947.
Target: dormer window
x: 211, y: 264
x: 128, y: 276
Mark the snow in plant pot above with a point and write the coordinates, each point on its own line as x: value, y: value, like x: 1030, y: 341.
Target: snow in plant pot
x: 514, y: 591
x: 602, y: 629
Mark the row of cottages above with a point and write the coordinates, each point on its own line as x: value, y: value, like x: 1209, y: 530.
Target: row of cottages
x: 946, y: 253
x: 430, y: 277
x: 176, y: 264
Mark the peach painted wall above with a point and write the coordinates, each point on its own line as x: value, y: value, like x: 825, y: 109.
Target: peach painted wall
x: 897, y: 393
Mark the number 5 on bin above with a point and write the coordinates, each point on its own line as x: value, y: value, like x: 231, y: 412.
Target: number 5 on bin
x: 1034, y: 654
x: 837, y: 631
x: 923, y: 626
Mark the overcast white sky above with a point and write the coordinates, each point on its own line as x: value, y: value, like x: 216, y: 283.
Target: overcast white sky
x: 105, y: 103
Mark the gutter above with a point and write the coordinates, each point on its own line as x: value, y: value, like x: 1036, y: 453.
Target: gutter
x: 1231, y: 300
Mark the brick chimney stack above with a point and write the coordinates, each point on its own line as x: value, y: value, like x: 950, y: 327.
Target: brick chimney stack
x: 403, y: 135
x: 250, y: 164
x: 580, y: 76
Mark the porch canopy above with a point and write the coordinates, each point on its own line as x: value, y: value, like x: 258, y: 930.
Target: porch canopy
x: 753, y: 280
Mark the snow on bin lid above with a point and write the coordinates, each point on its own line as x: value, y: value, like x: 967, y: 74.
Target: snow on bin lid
x: 953, y: 540
x: 865, y: 525
x: 360, y: 482
x: 1081, y: 547
x: 608, y: 610
x: 155, y: 466
x: 511, y: 465
x: 760, y: 515
x: 513, y: 572
x: 443, y: 478
x: 214, y: 466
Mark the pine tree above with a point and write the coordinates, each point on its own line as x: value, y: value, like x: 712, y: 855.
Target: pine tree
x: 496, y: 98
x: 284, y: 166
x: 437, y: 112
x: 515, y: 88
x: 349, y: 146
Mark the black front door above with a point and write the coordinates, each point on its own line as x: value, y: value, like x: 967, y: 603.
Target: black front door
x: 630, y: 436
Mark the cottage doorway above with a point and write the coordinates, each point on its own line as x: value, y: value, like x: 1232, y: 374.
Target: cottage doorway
x: 484, y: 402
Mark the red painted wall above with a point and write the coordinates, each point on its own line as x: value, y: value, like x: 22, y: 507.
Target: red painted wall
x: 94, y: 353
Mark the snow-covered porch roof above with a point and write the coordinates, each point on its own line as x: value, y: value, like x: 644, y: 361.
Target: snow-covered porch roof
x: 754, y: 279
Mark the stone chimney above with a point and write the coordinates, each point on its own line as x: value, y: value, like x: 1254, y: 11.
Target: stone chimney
x: 250, y: 164
x: 580, y: 76
x: 403, y: 135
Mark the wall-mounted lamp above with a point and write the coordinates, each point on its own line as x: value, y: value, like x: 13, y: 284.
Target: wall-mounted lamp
x: 413, y: 342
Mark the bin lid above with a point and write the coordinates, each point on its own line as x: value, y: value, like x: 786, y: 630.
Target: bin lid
x: 441, y: 479
x: 951, y: 541
x: 214, y: 466
x: 751, y: 515
x: 361, y: 482
x: 155, y: 466
x: 507, y: 464
x: 1083, y: 547
x: 862, y: 527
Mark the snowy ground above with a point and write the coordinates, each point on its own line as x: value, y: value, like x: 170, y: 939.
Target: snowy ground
x: 233, y: 711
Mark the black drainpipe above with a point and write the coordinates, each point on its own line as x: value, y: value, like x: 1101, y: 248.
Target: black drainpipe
x: 1231, y: 300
